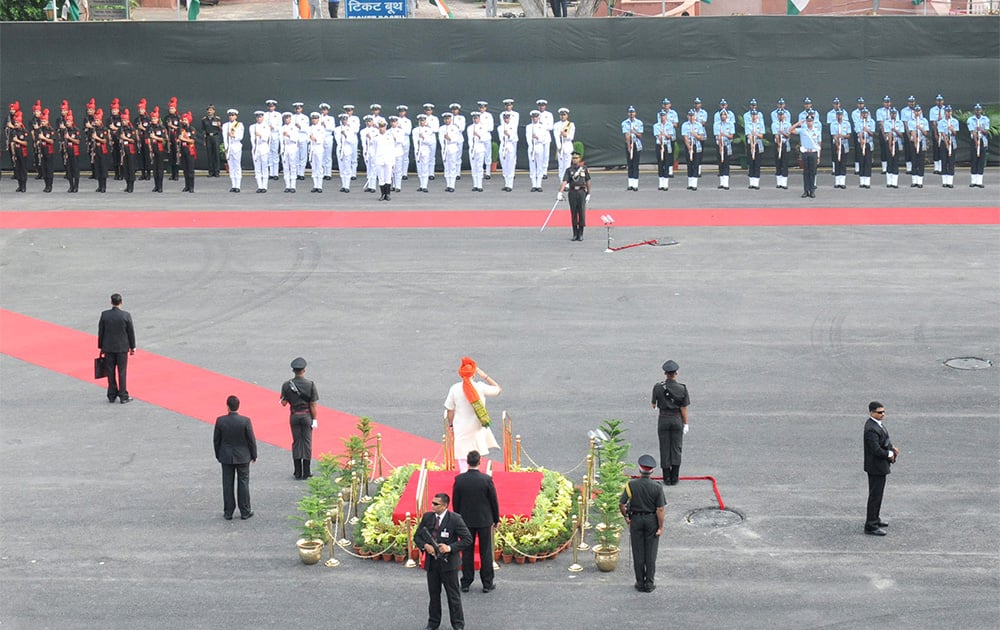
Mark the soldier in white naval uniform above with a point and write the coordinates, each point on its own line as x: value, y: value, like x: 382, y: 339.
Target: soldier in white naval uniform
x: 232, y: 137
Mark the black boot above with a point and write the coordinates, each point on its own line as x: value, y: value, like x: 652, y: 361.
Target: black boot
x: 666, y: 476
x: 305, y: 468
x: 386, y: 189
x: 675, y: 471
x: 298, y: 468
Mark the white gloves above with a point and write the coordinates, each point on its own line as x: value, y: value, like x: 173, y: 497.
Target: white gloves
x: 588, y: 198
x: 685, y: 429
x: 316, y: 424
x: 559, y: 196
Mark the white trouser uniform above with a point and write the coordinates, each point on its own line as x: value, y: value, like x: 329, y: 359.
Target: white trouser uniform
x: 370, y: 175
x: 274, y: 154
x: 398, y: 167
x: 477, y: 162
x: 234, y: 157
x: 344, y: 152
x: 303, y: 153
x: 423, y: 153
x: 537, y: 161
x: 452, y: 155
x: 508, y: 161
x: 316, y: 151
x: 404, y: 167
x: 327, y: 155
x: 290, y: 162
x: 261, y: 162
x: 565, y: 157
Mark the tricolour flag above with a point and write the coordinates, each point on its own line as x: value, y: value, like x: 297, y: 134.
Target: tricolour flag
x: 797, y: 6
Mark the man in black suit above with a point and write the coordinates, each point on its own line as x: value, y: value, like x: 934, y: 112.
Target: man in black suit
x: 475, y: 498
x: 236, y: 449
x: 440, y: 535
x: 116, y: 340
x: 880, y: 454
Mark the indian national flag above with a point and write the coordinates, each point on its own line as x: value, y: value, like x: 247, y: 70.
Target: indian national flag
x: 797, y: 6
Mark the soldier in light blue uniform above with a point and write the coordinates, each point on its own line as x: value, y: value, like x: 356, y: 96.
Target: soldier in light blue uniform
x: 782, y: 131
x: 746, y: 115
x: 632, y: 133
x: 905, y: 116
x: 807, y: 108
x: 917, y: 132
x: 664, y: 133
x: 893, y: 131
x: 675, y: 121
x: 723, y: 107
x: 882, y: 115
x: 702, y: 116
x: 934, y: 116
x: 855, y: 123
x: 810, y: 143
x: 864, y: 131
x: 693, y: 133
x: 979, y: 131
x: 725, y: 131
x: 755, y: 148
x: 831, y: 117
x: 780, y: 107
x: 948, y: 137
x: 840, y: 138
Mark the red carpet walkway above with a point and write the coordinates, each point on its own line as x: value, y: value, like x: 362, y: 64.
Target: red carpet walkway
x: 159, y: 380
x: 674, y: 217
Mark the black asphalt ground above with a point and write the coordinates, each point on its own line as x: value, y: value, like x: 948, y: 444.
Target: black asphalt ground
x: 110, y: 515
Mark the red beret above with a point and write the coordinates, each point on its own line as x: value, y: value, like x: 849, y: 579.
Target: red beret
x: 38, y: 104
x: 65, y: 104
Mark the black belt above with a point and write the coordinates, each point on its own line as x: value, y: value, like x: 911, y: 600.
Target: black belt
x: 640, y: 513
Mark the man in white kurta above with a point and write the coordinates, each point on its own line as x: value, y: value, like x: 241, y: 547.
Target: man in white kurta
x: 470, y: 434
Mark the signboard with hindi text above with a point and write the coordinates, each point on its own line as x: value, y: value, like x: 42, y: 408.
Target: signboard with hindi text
x: 372, y: 9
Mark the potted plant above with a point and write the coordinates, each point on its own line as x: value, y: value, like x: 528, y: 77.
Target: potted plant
x: 609, y: 488
x: 313, y: 534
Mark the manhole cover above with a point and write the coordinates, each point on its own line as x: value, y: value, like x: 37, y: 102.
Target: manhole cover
x: 969, y: 363
x: 714, y: 517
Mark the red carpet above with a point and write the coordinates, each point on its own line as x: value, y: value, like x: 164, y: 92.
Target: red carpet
x: 516, y: 491
x: 673, y: 217
x: 158, y: 380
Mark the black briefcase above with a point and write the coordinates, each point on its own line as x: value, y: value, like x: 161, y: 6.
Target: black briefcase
x: 100, y: 368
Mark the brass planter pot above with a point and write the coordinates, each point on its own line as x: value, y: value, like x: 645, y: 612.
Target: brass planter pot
x: 310, y: 551
x: 606, y: 559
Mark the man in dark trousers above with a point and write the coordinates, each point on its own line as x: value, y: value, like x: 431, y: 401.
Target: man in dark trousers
x: 116, y: 340
x: 236, y: 449
x: 441, y: 534
x: 300, y: 395
x: 642, y: 506
x: 880, y: 454
x: 577, y: 179
x: 475, y: 498
x: 671, y: 398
